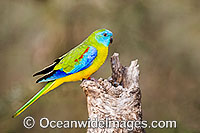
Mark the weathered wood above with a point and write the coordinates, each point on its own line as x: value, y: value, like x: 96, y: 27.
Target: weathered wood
x: 115, y: 98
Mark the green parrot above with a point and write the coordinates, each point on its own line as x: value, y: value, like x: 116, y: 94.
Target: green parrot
x: 78, y: 64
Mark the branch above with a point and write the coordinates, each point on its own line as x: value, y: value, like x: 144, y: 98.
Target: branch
x: 115, y: 98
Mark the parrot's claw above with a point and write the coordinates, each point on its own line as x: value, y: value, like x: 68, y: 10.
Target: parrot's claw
x: 92, y: 79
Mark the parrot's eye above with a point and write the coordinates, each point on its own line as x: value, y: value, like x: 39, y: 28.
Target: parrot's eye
x: 104, y: 34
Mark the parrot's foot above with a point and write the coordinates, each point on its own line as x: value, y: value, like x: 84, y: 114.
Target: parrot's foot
x: 92, y: 79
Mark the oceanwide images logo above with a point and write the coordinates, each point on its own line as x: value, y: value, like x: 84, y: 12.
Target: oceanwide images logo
x: 44, y: 122
x: 95, y: 123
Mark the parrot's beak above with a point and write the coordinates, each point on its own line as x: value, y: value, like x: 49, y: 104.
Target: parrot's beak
x: 111, y: 39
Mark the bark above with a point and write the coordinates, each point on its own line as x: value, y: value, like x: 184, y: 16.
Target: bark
x: 116, y: 98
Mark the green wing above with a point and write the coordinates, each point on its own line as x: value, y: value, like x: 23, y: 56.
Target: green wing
x: 79, y: 58
x: 70, y: 59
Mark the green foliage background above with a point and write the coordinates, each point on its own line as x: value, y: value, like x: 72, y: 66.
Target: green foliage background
x: 163, y: 35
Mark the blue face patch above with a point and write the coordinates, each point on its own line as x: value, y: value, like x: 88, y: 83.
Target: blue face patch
x: 104, y: 37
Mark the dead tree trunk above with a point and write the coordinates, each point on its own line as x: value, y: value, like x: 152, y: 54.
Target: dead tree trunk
x: 117, y: 98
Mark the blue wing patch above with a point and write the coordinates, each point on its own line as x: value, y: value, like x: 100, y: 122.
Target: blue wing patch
x: 52, y: 76
x: 84, y: 63
x: 86, y: 60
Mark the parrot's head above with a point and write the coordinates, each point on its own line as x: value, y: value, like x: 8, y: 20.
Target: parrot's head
x: 103, y: 36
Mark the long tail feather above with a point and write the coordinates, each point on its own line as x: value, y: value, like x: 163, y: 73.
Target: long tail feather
x: 43, y: 91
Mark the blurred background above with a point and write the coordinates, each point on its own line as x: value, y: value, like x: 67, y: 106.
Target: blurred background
x: 163, y: 35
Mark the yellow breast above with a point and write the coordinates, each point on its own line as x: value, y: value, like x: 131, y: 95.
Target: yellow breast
x: 84, y: 74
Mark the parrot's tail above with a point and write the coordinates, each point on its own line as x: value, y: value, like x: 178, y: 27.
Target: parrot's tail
x: 49, y: 86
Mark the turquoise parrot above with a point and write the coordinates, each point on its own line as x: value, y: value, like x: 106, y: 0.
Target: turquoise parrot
x: 78, y: 64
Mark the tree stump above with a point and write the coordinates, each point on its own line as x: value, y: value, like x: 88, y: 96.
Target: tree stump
x: 117, y: 98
